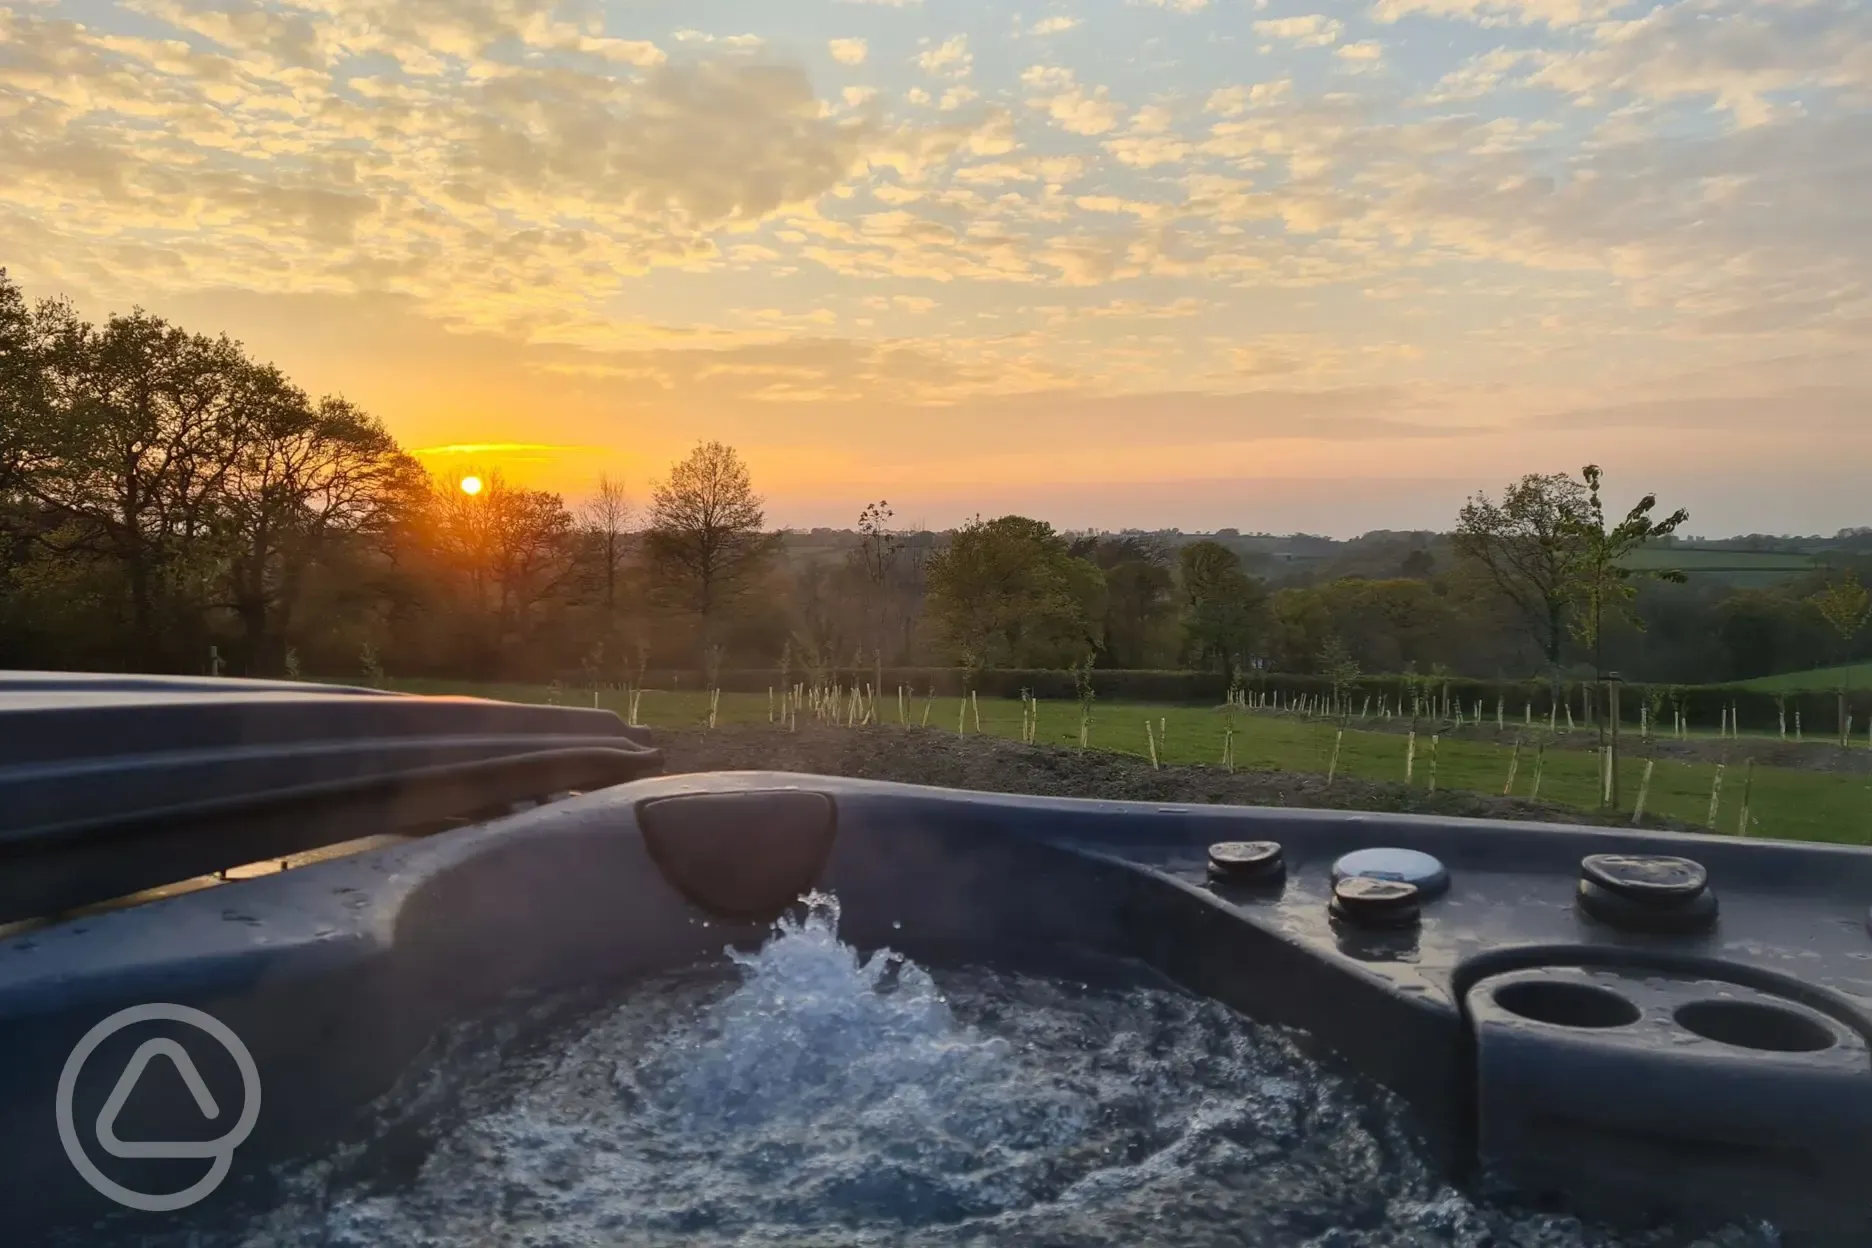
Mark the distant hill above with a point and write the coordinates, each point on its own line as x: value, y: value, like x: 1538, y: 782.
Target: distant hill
x: 1751, y: 561
x: 1820, y: 680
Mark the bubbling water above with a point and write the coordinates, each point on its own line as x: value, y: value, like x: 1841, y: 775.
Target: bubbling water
x: 815, y: 1097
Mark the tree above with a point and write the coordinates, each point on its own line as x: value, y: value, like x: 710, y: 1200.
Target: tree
x: 21, y: 386
x: 1600, y: 582
x: 705, y: 542
x: 604, y: 519
x: 1527, y: 546
x: 1390, y: 624
x: 1008, y: 592
x: 1844, y: 605
x: 1140, y: 597
x: 509, y: 551
x: 1222, y: 607
x: 309, y: 477
x: 1299, y: 625
x: 1337, y: 665
x: 143, y: 425
x: 874, y: 560
x: 22, y: 424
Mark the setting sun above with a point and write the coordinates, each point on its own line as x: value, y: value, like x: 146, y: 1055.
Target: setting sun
x: 471, y: 485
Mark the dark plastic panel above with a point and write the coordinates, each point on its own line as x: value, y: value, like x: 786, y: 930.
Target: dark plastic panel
x: 110, y: 785
x: 1656, y: 1090
x: 740, y: 855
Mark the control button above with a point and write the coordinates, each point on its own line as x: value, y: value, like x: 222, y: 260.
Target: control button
x: 1647, y: 892
x: 1371, y: 902
x: 1646, y: 876
x: 1247, y: 862
x: 1406, y: 866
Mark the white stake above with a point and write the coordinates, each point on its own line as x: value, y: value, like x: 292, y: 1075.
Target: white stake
x: 1748, y: 786
x: 1644, y: 791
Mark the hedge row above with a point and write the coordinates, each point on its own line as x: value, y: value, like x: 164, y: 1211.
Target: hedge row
x: 1704, y: 706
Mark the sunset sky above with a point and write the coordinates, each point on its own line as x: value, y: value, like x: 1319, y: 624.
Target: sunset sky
x: 1270, y: 264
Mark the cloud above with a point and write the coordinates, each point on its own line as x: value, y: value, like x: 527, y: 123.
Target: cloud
x: 950, y: 57
x: 509, y: 192
x: 1815, y: 411
x: 1500, y: 12
x: 1236, y: 100
x: 1477, y: 76
x: 1072, y: 107
x: 1054, y: 25
x: 1665, y: 182
x: 1309, y: 31
x: 726, y: 41
x: 1740, y: 60
x: 496, y: 448
x: 1175, y: 6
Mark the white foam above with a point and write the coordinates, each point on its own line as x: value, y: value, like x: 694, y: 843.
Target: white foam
x: 816, y: 1097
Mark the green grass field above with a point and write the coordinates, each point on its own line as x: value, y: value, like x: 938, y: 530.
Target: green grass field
x: 1694, y: 559
x: 1784, y: 803
x: 1742, y: 569
x: 1820, y: 680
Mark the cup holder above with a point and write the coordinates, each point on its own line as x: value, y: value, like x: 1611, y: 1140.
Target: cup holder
x: 1755, y: 1025
x: 1563, y: 1004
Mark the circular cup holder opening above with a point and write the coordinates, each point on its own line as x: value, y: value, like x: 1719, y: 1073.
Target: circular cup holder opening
x: 1566, y: 1004
x: 1754, y: 1025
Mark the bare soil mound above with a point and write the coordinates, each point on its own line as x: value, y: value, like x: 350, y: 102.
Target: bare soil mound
x: 996, y: 765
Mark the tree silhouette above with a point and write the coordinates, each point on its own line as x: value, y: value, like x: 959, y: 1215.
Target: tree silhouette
x: 705, y: 541
x: 1527, y: 547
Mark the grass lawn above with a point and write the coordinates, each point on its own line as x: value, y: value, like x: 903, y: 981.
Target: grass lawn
x: 1820, y: 680
x: 1784, y: 802
x: 1739, y: 568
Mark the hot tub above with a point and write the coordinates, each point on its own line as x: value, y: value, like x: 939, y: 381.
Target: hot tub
x: 1649, y: 1029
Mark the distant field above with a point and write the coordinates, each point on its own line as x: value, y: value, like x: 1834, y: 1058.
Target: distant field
x: 1823, y: 680
x: 1742, y: 568
x: 1785, y: 803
